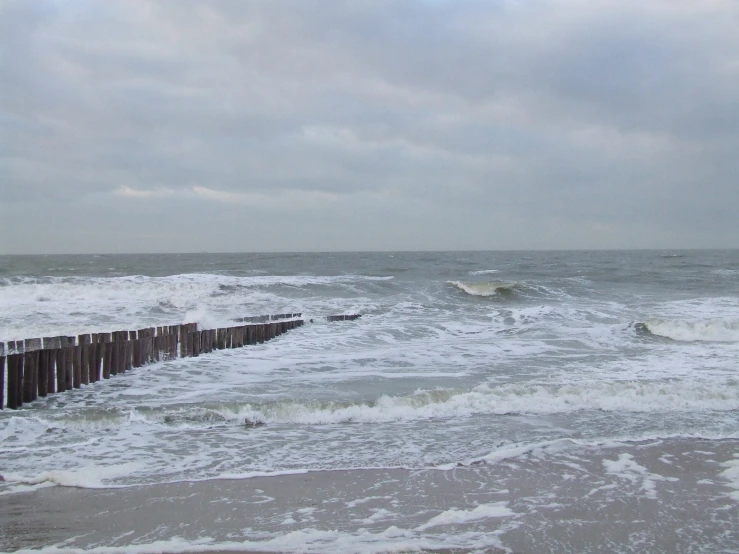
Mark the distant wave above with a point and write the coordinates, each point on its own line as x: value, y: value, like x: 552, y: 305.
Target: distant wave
x: 484, y: 271
x: 711, y: 330
x: 500, y: 289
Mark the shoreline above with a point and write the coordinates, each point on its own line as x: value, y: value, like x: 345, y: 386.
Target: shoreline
x: 578, y: 499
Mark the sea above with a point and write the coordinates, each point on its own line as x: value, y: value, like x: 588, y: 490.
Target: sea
x: 527, y: 402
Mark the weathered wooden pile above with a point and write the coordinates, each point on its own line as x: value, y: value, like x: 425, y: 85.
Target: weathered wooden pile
x: 40, y: 367
x: 349, y: 317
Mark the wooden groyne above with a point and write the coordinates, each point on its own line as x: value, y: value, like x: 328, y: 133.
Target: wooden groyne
x: 40, y: 367
x: 350, y: 317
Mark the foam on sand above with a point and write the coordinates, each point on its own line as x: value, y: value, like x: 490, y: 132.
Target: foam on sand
x: 89, y: 477
x: 731, y: 474
x: 626, y: 468
x: 483, y: 511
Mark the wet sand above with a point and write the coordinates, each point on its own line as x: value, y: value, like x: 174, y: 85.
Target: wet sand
x: 662, y: 496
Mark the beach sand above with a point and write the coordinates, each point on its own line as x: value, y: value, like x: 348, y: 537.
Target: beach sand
x: 667, y: 496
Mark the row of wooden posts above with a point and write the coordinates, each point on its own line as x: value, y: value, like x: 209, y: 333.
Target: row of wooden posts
x: 40, y: 367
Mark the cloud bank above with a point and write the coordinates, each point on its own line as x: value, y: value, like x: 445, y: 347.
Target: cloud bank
x: 179, y: 125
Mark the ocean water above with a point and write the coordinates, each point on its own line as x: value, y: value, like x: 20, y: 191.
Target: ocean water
x: 521, y: 401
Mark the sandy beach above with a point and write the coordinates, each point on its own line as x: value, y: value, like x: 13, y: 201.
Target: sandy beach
x: 671, y: 493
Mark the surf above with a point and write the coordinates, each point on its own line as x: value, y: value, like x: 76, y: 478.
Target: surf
x: 709, y: 330
x: 492, y: 289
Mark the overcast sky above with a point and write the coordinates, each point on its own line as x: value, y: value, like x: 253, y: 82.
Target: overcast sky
x: 171, y: 126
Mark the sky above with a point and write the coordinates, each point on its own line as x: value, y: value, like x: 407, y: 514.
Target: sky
x: 322, y: 125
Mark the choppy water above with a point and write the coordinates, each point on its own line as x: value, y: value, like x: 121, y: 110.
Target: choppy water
x: 459, y: 358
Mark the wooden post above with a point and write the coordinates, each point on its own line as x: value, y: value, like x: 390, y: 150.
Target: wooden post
x: 69, y: 363
x: 127, y: 354
x: 168, y: 341
x: 122, y: 340
x: 201, y: 343
x: 161, y: 347
x: 102, y: 353
x: 174, y: 347
x: 141, y: 355
x: 194, y: 347
x: 2, y: 375
x: 131, y: 337
x: 93, y: 361
x: 106, y: 343
x: 12, y: 376
x: 116, y: 358
x: 125, y: 351
x: 15, y: 378
x: 51, y: 345
x: 136, y: 352
x: 143, y: 350
x: 167, y: 344
x: 84, y: 342
x: 77, y: 366
x: 114, y: 353
x: 30, y: 369
x: 183, y: 342
x: 155, y: 342
x: 151, y: 352
x: 118, y: 352
x: 145, y: 336
x: 61, y: 378
x: 158, y: 345
x: 43, y: 372
x: 147, y: 351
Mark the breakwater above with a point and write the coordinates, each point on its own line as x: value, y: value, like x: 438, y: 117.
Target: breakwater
x: 39, y: 367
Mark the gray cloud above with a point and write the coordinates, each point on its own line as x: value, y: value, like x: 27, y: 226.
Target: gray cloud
x: 319, y: 125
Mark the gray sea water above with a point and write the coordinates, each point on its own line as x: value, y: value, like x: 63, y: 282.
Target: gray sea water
x: 540, y: 394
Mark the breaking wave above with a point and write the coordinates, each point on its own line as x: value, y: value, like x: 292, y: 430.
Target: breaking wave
x: 711, y: 330
x: 618, y: 396
x: 499, y: 289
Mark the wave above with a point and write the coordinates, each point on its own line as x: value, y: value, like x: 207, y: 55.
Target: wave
x: 710, y: 330
x: 500, y: 289
x: 89, y: 477
x: 619, y: 396
x: 484, y: 271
